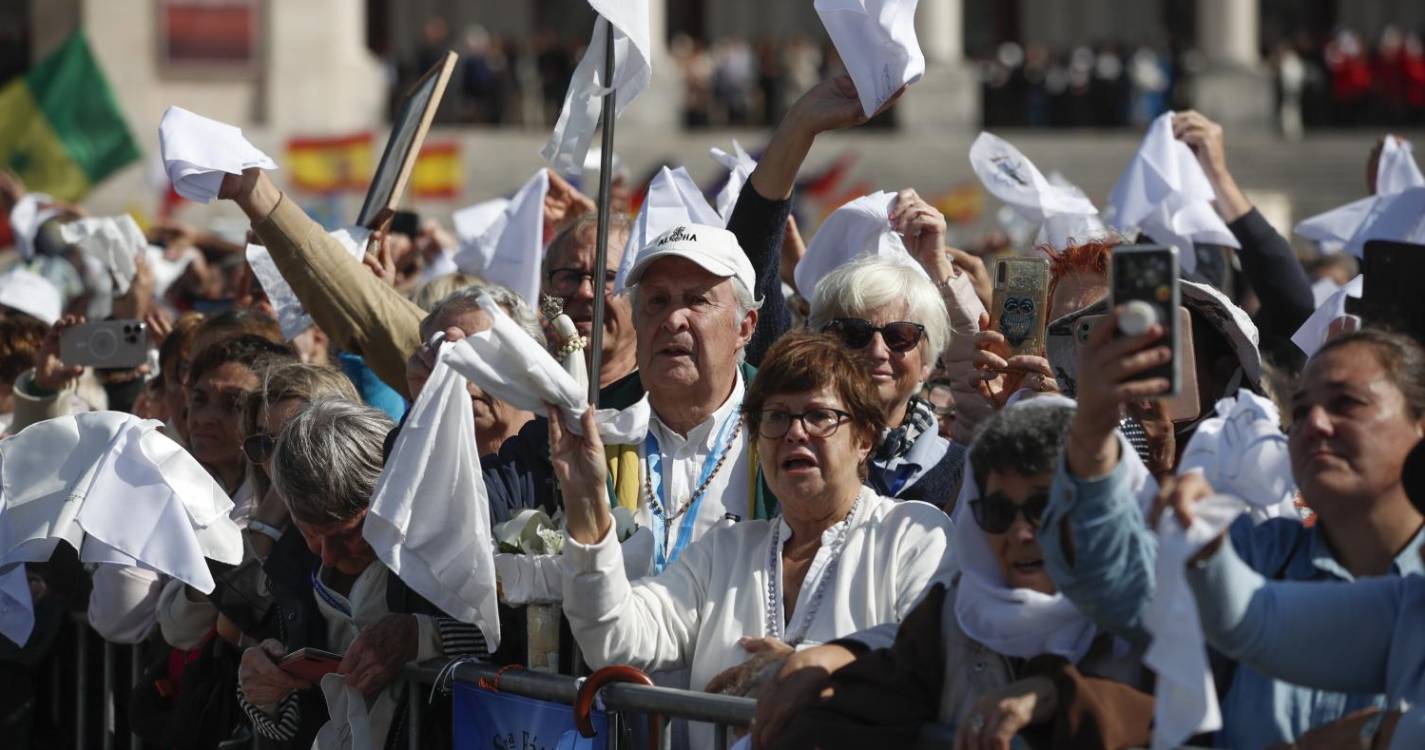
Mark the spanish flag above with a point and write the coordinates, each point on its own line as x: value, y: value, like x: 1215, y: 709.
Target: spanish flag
x: 60, y: 129
x: 439, y: 172
x: 331, y: 165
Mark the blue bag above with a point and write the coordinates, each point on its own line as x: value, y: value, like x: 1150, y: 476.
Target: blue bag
x: 491, y: 720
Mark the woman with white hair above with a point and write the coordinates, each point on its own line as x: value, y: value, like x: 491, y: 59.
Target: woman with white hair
x: 891, y: 315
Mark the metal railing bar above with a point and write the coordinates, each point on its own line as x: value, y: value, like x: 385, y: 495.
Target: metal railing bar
x: 110, y: 723
x: 684, y: 704
x: 135, y: 676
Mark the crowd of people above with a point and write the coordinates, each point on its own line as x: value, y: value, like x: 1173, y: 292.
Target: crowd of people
x: 865, y: 510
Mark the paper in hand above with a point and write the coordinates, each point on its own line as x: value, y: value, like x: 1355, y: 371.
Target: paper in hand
x: 877, y: 44
x: 197, y: 152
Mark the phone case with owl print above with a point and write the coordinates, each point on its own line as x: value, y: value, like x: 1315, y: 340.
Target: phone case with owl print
x: 1020, y: 304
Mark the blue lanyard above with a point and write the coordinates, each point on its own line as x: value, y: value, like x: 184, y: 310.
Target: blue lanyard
x: 662, y: 558
x: 320, y: 589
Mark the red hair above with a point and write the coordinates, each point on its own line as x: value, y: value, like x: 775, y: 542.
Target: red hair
x: 1089, y: 257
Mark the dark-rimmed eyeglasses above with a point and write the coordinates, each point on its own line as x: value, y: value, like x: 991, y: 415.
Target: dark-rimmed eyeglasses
x: 258, y: 448
x: 996, y: 513
x: 900, y: 336
x: 565, y: 282
x: 774, y: 423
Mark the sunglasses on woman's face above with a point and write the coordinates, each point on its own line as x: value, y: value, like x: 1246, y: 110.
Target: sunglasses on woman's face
x: 856, y: 333
x: 995, y: 513
x: 258, y: 448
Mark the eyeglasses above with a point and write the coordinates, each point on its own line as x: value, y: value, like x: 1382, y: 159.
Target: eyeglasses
x: 258, y: 448
x: 900, y: 336
x: 565, y: 282
x: 996, y: 513
x: 820, y: 423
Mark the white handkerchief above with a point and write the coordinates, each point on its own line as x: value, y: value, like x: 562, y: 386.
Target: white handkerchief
x: 1321, y: 290
x: 26, y: 217
x: 1340, y: 228
x: 510, y: 251
x: 472, y: 222
x: 861, y: 227
x: 115, y: 241
x: 633, y: 63
x: 877, y: 44
x: 739, y: 165
x: 166, y: 271
x: 31, y: 294
x: 1312, y: 334
x: 529, y: 579
x: 1399, y: 217
x: 1185, y: 700
x: 1064, y: 213
x: 17, y: 609
x: 429, y: 517
x: 673, y: 198
x: 1397, y: 169
x: 1242, y: 452
x: 349, y: 727
x: 291, y: 316
x: 1165, y: 194
x: 1334, y: 228
x: 197, y: 152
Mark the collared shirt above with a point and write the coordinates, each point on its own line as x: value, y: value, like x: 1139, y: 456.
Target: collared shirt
x: 1110, y: 576
x: 681, y: 462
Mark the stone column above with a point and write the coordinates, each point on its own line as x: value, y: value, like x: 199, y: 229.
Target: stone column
x: 1227, y: 31
x: 1235, y: 88
x: 948, y: 96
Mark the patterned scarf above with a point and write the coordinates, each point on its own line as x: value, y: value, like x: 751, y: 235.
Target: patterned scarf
x: 919, y: 417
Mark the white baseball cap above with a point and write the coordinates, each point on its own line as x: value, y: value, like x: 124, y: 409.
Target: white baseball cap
x: 30, y: 293
x: 713, y: 248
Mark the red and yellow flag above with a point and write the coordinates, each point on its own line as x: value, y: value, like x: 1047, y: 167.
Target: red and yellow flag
x: 331, y: 164
x: 439, y: 173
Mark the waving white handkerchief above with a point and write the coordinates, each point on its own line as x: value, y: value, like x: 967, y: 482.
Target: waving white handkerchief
x: 291, y: 316
x: 510, y: 251
x: 31, y: 294
x: 632, y: 70
x: 673, y: 198
x: 349, y: 727
x: 29, y: 213
x: 1312, y: 334
x: 1165, y: 194
x: 1242, y: 452
x: 429, y: 517
x: 1399, y: 217
x: 739, y: 165
x: 1185, y: 697
x: 17, y: 608
x: 1063, y: 212
x: 473, y: 224
x: 197, y: 152
x: 877, y: 44
x: 114, y: 241
x: 861, y: 227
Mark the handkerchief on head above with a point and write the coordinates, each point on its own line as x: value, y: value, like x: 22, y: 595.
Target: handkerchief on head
x: 511, y: 248
x: 121, y: 492
x: 115, y: 241
x: 673, y: 199
x: 861, y: 227
x: 31, y: 294
x: 1165, y: 194
x: 291, y: 316
x: 1350, y: 226
x: 739, y: 165
x: 197, y: 152
x: 1312, y: 334
x: 1064, y: 213
x: 632, y: 70
x: 1242, y: 452
x: 29, y: 213
x: 877, y: 44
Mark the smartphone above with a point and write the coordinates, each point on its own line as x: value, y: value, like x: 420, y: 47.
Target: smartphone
x: 1020, y: 304
x: 1149, y: 274
x: 111, y: 344
x: 310, y: 664
x: 1389, y: 295
x: 407, y: 223
x: 1184, y: 407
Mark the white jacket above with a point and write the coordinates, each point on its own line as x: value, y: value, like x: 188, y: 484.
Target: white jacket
x: 693, y: 614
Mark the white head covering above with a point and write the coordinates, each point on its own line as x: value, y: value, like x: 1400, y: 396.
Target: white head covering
x: 511, y: 248
x: 115, y: 241
x: 713, y: 248
x: 1165, y: 194
x: 198, y: 152
x: 1341, y: 227
x: 739, y: 165
x: 876, y: 42
x: 673, y: 199
x: 31, y: 294
x: 1064, y: 214
x: 861, y: 227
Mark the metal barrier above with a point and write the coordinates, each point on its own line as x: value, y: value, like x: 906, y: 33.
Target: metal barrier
x: 722, y: 711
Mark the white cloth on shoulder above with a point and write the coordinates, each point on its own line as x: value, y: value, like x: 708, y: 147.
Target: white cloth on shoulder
x: 1165, y: 194
x: 633, y: 61
x: 673, y: 199
x: 877, y: 44
x: 1064, y: 214
x: 510, y: 249
x: 198, y: 151
x: 292, y: 318
x: 861, y: 227
x: 739, y: 165
x: 115, y: 241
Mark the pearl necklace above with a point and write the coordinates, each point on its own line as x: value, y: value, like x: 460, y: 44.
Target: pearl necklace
x: 774, y: 580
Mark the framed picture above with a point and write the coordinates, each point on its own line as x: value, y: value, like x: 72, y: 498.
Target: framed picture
x: 210, y: 35
x: 408, y: 132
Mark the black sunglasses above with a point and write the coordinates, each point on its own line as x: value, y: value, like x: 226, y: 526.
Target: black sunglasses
x: 995, y: 513
x: 258, y: 448
x: 900, y: 336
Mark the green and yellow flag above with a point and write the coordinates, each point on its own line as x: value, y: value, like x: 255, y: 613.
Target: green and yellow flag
x: 60, y: 129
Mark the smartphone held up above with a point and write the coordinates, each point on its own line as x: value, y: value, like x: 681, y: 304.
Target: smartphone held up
x: 105, y: 344
x: 1144, y: 287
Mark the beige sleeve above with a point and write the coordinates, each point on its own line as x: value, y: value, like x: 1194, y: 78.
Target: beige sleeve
x: 183, y: 621
x: 359, y: 312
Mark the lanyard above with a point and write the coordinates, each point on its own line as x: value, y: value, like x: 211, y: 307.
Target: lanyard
x: 659, y: 502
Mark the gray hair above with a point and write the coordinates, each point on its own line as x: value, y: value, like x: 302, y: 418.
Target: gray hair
x: 746, y: 303
x: 1026, y: 439
x: 869, y: 283
x: 328, y: 460
x: 467, y: 299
